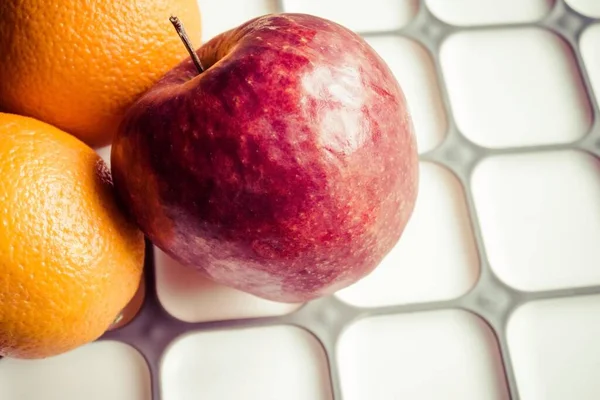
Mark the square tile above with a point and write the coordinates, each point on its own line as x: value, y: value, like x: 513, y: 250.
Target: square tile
x: 488, y: 12
x: 222, y: 15
x: 540, y: 218
x: 421, y: 356
x: 278, y: 362
x: 436, y: 258
x: 361, y: 16
x: 98, y: 371
x: 555, y: 349
x: 515, y: 87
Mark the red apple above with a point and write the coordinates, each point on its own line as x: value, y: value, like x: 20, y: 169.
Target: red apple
x: 287, y: 169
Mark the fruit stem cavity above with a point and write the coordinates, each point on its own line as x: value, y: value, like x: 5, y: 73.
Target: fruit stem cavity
x: 186, y: 42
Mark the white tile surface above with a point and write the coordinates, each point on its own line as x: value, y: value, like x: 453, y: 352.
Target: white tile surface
x: 591, y: 8
x: 436, y: 258
x: 189, y: 296
x: 555, y: 349
x: 104, y: 152
x: 515, y: 87
x: 280, y: 362
x: 422, y: 356
x: 540, y: 218
x: 590, y: 51
x: 221, y: 15
x: 413, y: 67
x: 98, y: 371
x: 484, y: 12
x: 358, y: 15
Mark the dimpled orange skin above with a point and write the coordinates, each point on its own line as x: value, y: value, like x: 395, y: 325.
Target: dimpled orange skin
x: 69, y: 259
x: 79, y: 64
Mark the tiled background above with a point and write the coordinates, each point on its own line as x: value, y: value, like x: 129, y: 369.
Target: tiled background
x: 507, y: 212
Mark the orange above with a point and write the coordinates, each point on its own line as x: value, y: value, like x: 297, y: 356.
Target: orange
x: 78, y: 64
x: 70, y: 260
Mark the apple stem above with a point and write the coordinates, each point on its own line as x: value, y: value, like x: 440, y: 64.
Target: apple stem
x: 186, y: 42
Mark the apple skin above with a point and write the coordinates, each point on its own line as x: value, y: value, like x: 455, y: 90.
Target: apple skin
x: 288, y: 169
